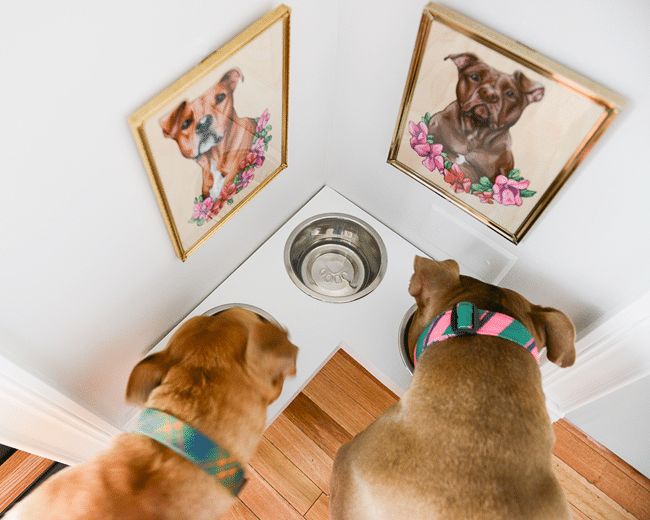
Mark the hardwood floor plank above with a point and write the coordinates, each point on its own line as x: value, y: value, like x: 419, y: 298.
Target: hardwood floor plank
x: 343, y: 399
x: 590, y: 500
x: 239, y: 511
x: 576, y: 514
x: 302, y: 451
x: 340, y: 406
x: 352, y: 379
x: 603, y: 469
x: 17, y: 473
x: 605, y: 453
x: 264, y: 501
x: 320, y: 509
x: 283, y: 476
x: 317, y: 425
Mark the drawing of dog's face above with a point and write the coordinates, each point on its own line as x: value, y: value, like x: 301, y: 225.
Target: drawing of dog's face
x: 201, y: 124
x: 490, y: 97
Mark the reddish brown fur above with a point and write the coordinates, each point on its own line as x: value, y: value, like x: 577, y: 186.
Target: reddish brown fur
x: 477, y: 124
x: 236, y: 132
x: 471, y: 438
x: 218, y: 374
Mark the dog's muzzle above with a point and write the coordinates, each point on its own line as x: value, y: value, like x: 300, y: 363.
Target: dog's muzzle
x: 208, y: 137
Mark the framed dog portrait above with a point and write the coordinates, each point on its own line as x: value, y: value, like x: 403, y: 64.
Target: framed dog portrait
x: 218, y: 135
x: 491, y: 125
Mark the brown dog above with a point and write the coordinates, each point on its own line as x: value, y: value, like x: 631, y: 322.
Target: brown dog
x: 209, y: 131
x: 475, y: 129
x: 217, y: 374
x: 471, y: 438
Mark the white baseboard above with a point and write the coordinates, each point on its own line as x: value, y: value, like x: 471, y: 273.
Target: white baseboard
x: 38, y: 419
x: 613, y: 354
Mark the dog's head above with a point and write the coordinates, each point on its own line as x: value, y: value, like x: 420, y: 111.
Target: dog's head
x: 201, y: 124
x: 217, y: 355
x: 490, y: 98
x: 436, y: 286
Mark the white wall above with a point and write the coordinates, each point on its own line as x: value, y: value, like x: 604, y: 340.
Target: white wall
x: 620, y: 421
x: 589, y: 252
x: 88, y: 277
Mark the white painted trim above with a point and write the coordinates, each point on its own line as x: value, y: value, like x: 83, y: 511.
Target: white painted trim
x: 38, y: 419
x: 612, y: 354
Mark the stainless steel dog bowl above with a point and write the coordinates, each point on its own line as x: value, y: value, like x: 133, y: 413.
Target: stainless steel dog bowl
x: 403, y: 337
x: 335, y: 257
x: 256, y: 310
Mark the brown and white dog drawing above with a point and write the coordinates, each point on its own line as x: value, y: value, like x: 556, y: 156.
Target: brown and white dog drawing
x: 209, y: 131
x: 475, y: 128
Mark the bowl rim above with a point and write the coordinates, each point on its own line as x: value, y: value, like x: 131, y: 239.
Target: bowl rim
x: 400, y: 338
x: 335, y: 299
x: 225, y: 306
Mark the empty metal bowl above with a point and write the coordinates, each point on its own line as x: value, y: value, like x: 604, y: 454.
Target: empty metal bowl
x: 256, y: 310
x: 403, y: 337
x: 335, y: 257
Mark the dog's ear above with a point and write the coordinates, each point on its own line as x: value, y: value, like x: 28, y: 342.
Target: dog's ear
x: 168, y: 123
x: 430, y: 277
x: 146, y: 376
x: 556, y: 330
x: 270, y: 357
x: 463, y: 60
x: 232, y: 78
x: 532, y: 90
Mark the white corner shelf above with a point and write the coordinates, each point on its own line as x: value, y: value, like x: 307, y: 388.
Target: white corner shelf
x: 366, y: 328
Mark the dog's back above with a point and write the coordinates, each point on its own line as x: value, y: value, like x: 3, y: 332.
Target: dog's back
x: 471, y: 438
x: 465, y: 442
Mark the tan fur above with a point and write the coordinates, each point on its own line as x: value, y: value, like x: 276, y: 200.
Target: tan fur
x: 471, y: 438
x: 217, y: 374
x: 236, y: 133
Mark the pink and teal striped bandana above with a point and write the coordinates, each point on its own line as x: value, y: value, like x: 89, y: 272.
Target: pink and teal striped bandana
x: 192, y: 445
x: 466, y: 319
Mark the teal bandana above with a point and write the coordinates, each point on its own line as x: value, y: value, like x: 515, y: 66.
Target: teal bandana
x: 192, y: 445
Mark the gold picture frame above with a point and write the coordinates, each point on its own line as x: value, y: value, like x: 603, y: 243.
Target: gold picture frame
x: 445, y: 34
x: 219, y: 152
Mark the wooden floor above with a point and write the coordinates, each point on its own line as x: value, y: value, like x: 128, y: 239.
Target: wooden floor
x: 289, y: 477
x: 20, y: 472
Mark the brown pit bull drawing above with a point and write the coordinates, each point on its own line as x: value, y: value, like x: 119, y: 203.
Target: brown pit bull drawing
x: 475, y: 128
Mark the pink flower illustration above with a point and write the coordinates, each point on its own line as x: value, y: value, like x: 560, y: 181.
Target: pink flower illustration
x: 419, y: 134
x: 252, y: 159
x: 433, y: 160
x: 485, y: 197
x: 245, y: 178
x: 508, y: 191
x: 202, y: 209
x: 431, y: 152
x: 255, y: 157
x: 263, y: 120
x: 457, y: 179
x: 258, y: 147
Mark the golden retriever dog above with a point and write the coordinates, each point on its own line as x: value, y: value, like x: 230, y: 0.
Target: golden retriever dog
x: 218, y: 374
x: 471, y: 438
